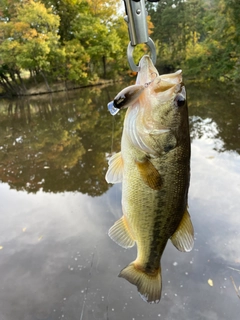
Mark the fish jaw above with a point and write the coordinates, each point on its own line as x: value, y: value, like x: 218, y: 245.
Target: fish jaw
x: 147, y: 72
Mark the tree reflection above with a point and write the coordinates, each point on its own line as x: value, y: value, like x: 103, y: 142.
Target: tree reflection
x: 61, y: 142
x: 218, y: 104
x: 57, y: 144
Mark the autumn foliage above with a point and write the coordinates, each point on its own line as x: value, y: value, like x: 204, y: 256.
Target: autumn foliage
x: 80, y: 41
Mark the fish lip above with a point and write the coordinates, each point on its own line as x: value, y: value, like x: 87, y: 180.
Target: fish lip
x: 147, y: 71
x: 145, y: 60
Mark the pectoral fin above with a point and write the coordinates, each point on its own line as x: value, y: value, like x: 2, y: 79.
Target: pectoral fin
x: 121, y: 234
x: 149, y: 174
x: 183, y: 239
x: 115, y: 169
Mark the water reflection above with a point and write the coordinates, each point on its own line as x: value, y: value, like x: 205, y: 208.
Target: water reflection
x: 58, y: 144
x: 56, y: 260
x: 219, y: 105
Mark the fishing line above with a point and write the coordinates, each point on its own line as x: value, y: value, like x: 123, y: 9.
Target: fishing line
x: 116, y: 193
x: 113, y: 129
x: 114, y: 200
x: 87, y: 288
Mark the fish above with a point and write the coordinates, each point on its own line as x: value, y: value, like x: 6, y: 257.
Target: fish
x: 154, y: 169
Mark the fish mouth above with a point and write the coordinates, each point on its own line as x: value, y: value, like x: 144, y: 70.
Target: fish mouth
x: 147, y: 72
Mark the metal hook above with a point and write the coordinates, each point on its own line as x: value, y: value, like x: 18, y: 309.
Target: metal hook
x: 130, y: 49
x: 136, y: 19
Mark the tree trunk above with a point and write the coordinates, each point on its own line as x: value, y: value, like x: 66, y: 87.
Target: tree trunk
x: 33, y: 76
x: 104, y: 67
x: 21, y: 81
x: 6, y: 84
x: 16, y: 86
x: 46, y: 82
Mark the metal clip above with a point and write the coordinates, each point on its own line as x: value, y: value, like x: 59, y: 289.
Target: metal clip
x: 136, y: 19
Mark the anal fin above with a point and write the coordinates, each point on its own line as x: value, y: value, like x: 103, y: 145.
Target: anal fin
x: 121, y: 234
x: 183, y: 237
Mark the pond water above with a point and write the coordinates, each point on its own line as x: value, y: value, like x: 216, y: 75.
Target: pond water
x: 56, y: 259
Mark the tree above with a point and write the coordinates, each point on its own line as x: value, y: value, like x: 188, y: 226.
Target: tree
x: 99, y: 39
x: 67, y: 10
x: 41, y: 37
x: 30, y: 38
x: 226, y: 39
x: 76, y: 61
x: 217, y: 54
x: 175, y: 21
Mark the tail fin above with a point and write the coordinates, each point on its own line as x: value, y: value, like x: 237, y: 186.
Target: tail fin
x: 149, y: 285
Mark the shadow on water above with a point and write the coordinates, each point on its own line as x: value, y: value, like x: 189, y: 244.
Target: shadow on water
x: 56, y: 260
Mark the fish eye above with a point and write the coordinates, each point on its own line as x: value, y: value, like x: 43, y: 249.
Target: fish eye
x: 179, y: 100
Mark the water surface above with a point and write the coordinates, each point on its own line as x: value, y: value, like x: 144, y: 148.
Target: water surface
x: 56, y: 259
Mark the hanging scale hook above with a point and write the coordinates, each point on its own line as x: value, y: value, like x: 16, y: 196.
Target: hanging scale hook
x: 136, y: 18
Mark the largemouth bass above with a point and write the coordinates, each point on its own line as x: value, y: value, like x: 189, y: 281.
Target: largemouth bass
x: 154, y: 168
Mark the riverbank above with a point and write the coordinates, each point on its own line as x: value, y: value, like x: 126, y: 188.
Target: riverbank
x: 41, y: 88
x: 61, y: 86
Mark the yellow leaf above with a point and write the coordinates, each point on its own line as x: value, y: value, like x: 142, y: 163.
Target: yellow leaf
x: 24, y: 229
x: 40, y: 238
x: 1, y: 247
x: 210, y: 282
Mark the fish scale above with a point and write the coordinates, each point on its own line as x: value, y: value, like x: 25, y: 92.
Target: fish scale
x: 154, y: 210
x: 154, y: 168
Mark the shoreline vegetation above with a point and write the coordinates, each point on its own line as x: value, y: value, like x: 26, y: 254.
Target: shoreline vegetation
x: 49, y: 45
x: 41, y: 88
x: 60, y: 86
